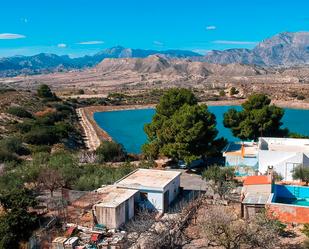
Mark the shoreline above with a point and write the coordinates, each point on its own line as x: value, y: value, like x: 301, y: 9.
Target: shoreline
x: 94, y: 134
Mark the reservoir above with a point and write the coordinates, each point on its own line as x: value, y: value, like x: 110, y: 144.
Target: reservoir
x: 127, y: 126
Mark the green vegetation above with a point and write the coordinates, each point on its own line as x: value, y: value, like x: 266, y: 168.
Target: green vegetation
x: 258, y: 118
x: 233, y: 91
x: 301, y: 173
x: 81, y: 91
x: 222, y: 93
x: 181, y: 129
x: 220, y: 179
x: 297, y: 135
x: 305, y: 229
x: 16, y: 223
x: 19, y: 112
x: 110, y: 152
x: 45, y: 92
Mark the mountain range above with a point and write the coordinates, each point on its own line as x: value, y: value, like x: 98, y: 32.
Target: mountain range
x: 282, y: 50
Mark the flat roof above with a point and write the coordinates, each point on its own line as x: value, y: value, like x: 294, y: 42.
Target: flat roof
x: 148, y: 179
x: 113, y: 196
x: 284, y: 144
x: 250, y: 149
x: 260, y: 199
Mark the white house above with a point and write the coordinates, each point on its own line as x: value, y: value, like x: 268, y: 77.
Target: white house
x: 148, y: 188
x: 283, y: 154
x: 156, y: 188
x: 243, y: 156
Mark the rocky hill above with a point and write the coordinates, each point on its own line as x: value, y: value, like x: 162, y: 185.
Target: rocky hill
x: 177, y: 67
x: 46, y: 63
x: 284, y: 49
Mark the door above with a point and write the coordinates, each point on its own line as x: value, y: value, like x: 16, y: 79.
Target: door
x: 166, y: 200
x: 127, y: 206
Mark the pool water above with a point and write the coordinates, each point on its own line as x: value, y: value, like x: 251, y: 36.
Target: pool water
x: 293, y: 201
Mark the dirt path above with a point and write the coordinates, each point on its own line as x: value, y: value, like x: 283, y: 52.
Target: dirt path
x: 92, y: 139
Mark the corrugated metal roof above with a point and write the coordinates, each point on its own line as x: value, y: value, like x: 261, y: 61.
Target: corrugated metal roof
x: 256, y: 198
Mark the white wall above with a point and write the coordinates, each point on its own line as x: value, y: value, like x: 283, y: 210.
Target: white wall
x: 173, y: 188
x: 282, y: 162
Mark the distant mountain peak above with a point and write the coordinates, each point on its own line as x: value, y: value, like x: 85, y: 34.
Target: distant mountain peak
x: 283, y: 49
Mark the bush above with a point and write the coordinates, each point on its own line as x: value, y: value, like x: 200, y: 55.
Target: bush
x: 44, y: 91
x: 305, y: 229
x: 110, y: 152
x: 6, y: 156
x: 300, y: 97
x: 234, y: 91
x: 41, y: 135
x: 222, y: 93
x: 81, y: 91
x: 19, y: 112
x: 14, y: 145
x: 40, y: 148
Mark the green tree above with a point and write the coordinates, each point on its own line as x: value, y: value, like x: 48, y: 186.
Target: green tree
x: 233, y: 91
x: 16, y: 224
x: 257, y: 118
x: 110, y: 151
x: 301, y: 173
x: 181, y: 128
x: 45, y: 92
x: 220, y: 179
x: 222, y: 93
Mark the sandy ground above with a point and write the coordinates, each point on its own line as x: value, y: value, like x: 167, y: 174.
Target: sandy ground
x: 95, y: 134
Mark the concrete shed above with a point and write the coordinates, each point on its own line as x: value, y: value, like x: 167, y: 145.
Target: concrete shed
x: 157, y: 188
x: 115, y: 208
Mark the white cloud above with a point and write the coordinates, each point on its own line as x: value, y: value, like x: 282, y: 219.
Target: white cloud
x: 201, y: 51
x: 227, y: 42
x: 212, y: 27
x: 10, y: 36
x: 62, y: 45
x: 90, y: 42
x: 158, y: 43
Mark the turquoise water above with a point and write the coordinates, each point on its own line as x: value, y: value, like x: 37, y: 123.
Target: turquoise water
x: 298, y: 202
x: 126, y: 127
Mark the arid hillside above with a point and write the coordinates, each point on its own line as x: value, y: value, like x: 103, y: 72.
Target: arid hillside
x: 135, y: 75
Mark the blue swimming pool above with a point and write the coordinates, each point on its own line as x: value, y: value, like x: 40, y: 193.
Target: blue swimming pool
x: 296, y: 201
x: 293, y: 195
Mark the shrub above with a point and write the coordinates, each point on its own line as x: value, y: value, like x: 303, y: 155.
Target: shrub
x: 14, y: 145
x: 44, y: 91
x: 81, y: 91
x: 41, y: 135
x: 305, y: 229
x: 234, y: 91
x: 6, y: 156
x: 19, y: 112
x: 222, y: 93
x: 110, y: 152
x: 300, y: 97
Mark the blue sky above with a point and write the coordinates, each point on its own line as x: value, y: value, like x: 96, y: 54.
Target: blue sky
x: 78, y: 27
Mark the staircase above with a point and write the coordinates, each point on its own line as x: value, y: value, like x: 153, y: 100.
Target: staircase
x: 296, y: 191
